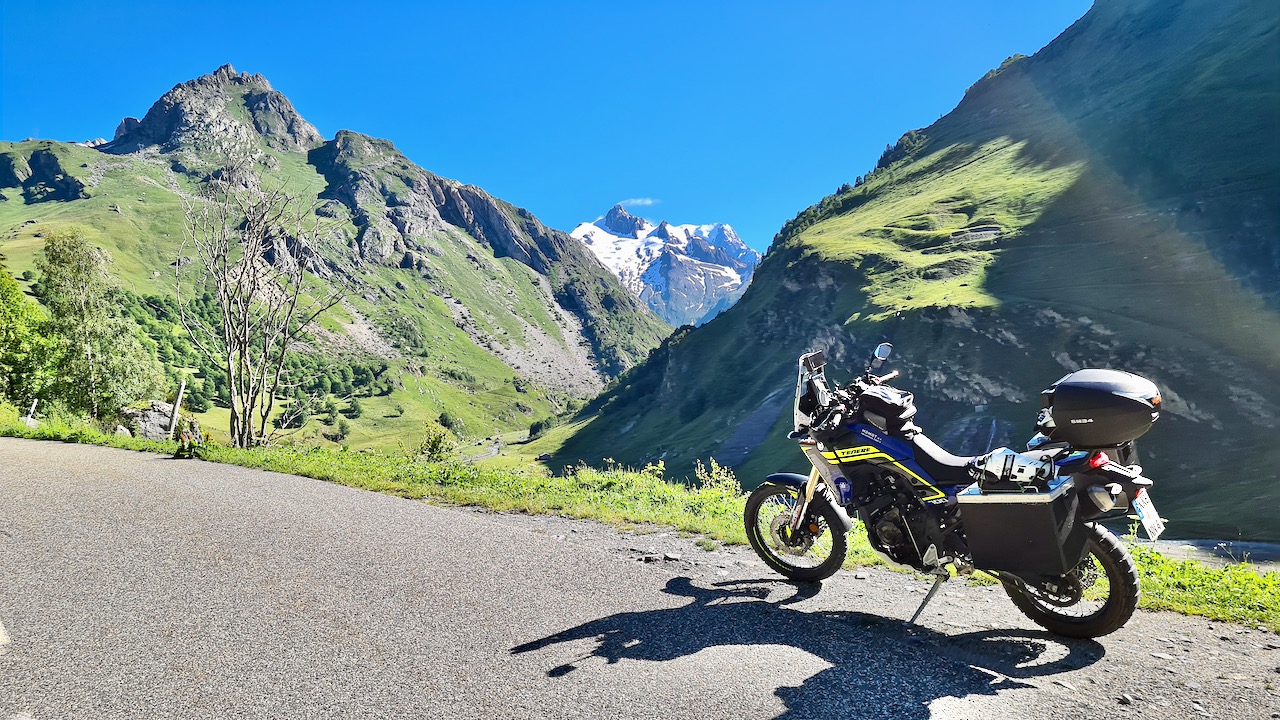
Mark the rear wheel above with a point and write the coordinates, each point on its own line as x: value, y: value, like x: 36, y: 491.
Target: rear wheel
x: 814, y: 552
x: 1097, y: 597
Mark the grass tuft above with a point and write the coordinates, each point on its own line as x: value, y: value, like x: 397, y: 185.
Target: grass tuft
x: 1235, y: 593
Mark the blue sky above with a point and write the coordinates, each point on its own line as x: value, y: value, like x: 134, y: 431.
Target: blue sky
x: 739, y: 112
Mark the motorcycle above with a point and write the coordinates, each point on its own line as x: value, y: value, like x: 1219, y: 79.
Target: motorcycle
x: 1029, y: 518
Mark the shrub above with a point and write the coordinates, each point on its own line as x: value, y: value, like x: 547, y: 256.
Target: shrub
x: 436, y: 444
x: 717, y: 478
x: 452, y: 423
x: 540, y: 427
x: 293, y: 417
x: 198, y: 403
x: 459, y: 375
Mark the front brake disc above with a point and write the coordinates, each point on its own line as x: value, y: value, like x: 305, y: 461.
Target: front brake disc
x: 780, y: 530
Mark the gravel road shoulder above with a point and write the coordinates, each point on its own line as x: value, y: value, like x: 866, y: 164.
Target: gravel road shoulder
x: 1161, y: 665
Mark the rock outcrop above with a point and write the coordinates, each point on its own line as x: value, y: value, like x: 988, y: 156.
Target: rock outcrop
x: 41, y: 176
x: 400, y: 209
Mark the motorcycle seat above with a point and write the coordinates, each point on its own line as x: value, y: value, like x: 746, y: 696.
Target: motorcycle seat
x: 945, y: 468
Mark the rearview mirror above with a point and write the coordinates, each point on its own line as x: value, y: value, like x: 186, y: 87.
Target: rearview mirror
x: 883, y: 351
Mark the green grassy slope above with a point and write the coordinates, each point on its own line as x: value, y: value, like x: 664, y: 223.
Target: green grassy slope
x: 143, y: 236
x: 1113, y: 201
x: 127, y: 207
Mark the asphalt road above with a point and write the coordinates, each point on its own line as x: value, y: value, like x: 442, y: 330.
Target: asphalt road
x: 135, y: 586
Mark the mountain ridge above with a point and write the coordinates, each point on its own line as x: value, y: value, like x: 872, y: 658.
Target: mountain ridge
x: 487, y: 315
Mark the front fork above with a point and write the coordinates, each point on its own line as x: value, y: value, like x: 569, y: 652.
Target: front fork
x: 802, y: 507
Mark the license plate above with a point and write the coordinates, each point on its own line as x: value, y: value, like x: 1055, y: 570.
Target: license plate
x: 1147, y: 514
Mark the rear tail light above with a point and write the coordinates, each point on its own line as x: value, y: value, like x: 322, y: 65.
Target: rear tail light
x: 1098, y: 459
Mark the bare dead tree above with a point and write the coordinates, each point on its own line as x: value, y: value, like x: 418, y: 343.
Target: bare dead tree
x: 252, y: 250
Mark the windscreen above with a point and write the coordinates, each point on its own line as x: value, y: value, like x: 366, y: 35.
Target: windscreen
x: 811, y: 389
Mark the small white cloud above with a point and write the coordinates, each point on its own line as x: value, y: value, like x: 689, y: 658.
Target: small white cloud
x: 639, y: 202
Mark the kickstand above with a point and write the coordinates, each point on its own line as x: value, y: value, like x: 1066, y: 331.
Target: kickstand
x: 936, y: 584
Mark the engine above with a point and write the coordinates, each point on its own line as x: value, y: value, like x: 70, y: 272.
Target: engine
x: 895, y: 528
x: 900, y: 526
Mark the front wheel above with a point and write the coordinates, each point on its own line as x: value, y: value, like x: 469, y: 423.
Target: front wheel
x: 1097, y: 597
x: 814, y: 552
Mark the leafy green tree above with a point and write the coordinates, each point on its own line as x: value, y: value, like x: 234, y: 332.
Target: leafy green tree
x: 296, y: 414
x: 197, y: 400
x: 221, y: 393
x: 293, y: 417
x: 99, y: 361
x: 21, y: 345
x: 355, y: 410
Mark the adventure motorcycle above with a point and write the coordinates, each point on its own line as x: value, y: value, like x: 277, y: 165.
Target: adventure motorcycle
x: 1028, y: 518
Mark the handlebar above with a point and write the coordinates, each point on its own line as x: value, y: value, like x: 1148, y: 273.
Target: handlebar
x: 862, y: 383
x: 845, y: 399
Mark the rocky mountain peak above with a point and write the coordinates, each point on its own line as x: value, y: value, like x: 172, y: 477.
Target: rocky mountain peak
x: 211, y: 110
x: 356, y: 148
x: 620, y: 222
x: 227, y: 74
x: 663, y: 231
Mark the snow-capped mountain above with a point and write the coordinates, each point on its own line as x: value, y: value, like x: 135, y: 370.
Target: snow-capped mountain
x: 686, y: 273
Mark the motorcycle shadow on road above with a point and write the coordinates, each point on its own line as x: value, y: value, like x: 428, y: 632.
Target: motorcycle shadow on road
x: 882, y: 665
